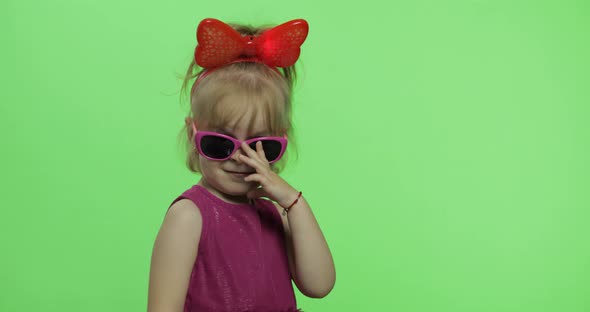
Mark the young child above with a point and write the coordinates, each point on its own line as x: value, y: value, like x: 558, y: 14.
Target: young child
x: 222, y: 246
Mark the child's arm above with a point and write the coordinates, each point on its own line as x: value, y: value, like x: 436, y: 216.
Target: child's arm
x: 310, y: 260
x: 173, y: 257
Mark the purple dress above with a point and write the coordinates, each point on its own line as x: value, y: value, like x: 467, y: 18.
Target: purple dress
x: 242, y: 262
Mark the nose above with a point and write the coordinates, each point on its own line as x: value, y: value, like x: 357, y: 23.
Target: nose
x: 236, y: 156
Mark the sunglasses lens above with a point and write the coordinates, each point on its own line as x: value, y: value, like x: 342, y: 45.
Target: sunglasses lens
x: 272, y: 148
x: 216, y: 147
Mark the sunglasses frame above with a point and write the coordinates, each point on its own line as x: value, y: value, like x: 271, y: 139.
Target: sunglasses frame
x: 237, y: 143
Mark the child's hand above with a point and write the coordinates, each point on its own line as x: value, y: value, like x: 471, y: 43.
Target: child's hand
x: 272, y: 185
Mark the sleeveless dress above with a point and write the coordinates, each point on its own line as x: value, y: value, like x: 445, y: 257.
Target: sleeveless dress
x: 242, y: 262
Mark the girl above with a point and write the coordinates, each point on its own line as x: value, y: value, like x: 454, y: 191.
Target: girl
x: 222, y: 247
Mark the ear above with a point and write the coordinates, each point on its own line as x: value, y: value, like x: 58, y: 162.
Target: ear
x: 285, y: 131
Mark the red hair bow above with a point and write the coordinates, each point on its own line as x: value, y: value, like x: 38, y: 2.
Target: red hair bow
x: 219, y: 44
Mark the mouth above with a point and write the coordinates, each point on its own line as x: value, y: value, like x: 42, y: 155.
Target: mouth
x: 239, y: 172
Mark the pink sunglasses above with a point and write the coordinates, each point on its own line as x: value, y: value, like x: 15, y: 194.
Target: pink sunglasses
x: 218, y: 146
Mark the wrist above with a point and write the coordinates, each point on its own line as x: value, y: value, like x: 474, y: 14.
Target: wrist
x: 288, y: 199
x: 287, y: 207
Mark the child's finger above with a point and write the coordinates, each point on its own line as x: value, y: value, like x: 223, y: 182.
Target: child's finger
x: 250, y: 162
x: 260, y: 150
x: 255, y: 177
x: 255, y: 156
x: 249, y: 151
x: 257, y: 193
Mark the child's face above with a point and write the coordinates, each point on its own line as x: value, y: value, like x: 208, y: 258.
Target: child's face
x: 226, y: 178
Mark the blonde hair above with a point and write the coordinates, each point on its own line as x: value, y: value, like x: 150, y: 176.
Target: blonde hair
x: 264, y: 91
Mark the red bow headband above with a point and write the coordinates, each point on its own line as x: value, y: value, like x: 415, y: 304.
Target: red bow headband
x: 219, y: 44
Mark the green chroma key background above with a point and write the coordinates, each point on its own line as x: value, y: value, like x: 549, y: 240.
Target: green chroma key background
x: 443, y: 146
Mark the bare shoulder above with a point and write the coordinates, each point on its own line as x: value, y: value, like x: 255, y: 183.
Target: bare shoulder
x: 173, y: 257
x: 184, y: 207
x: 182, y: 225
